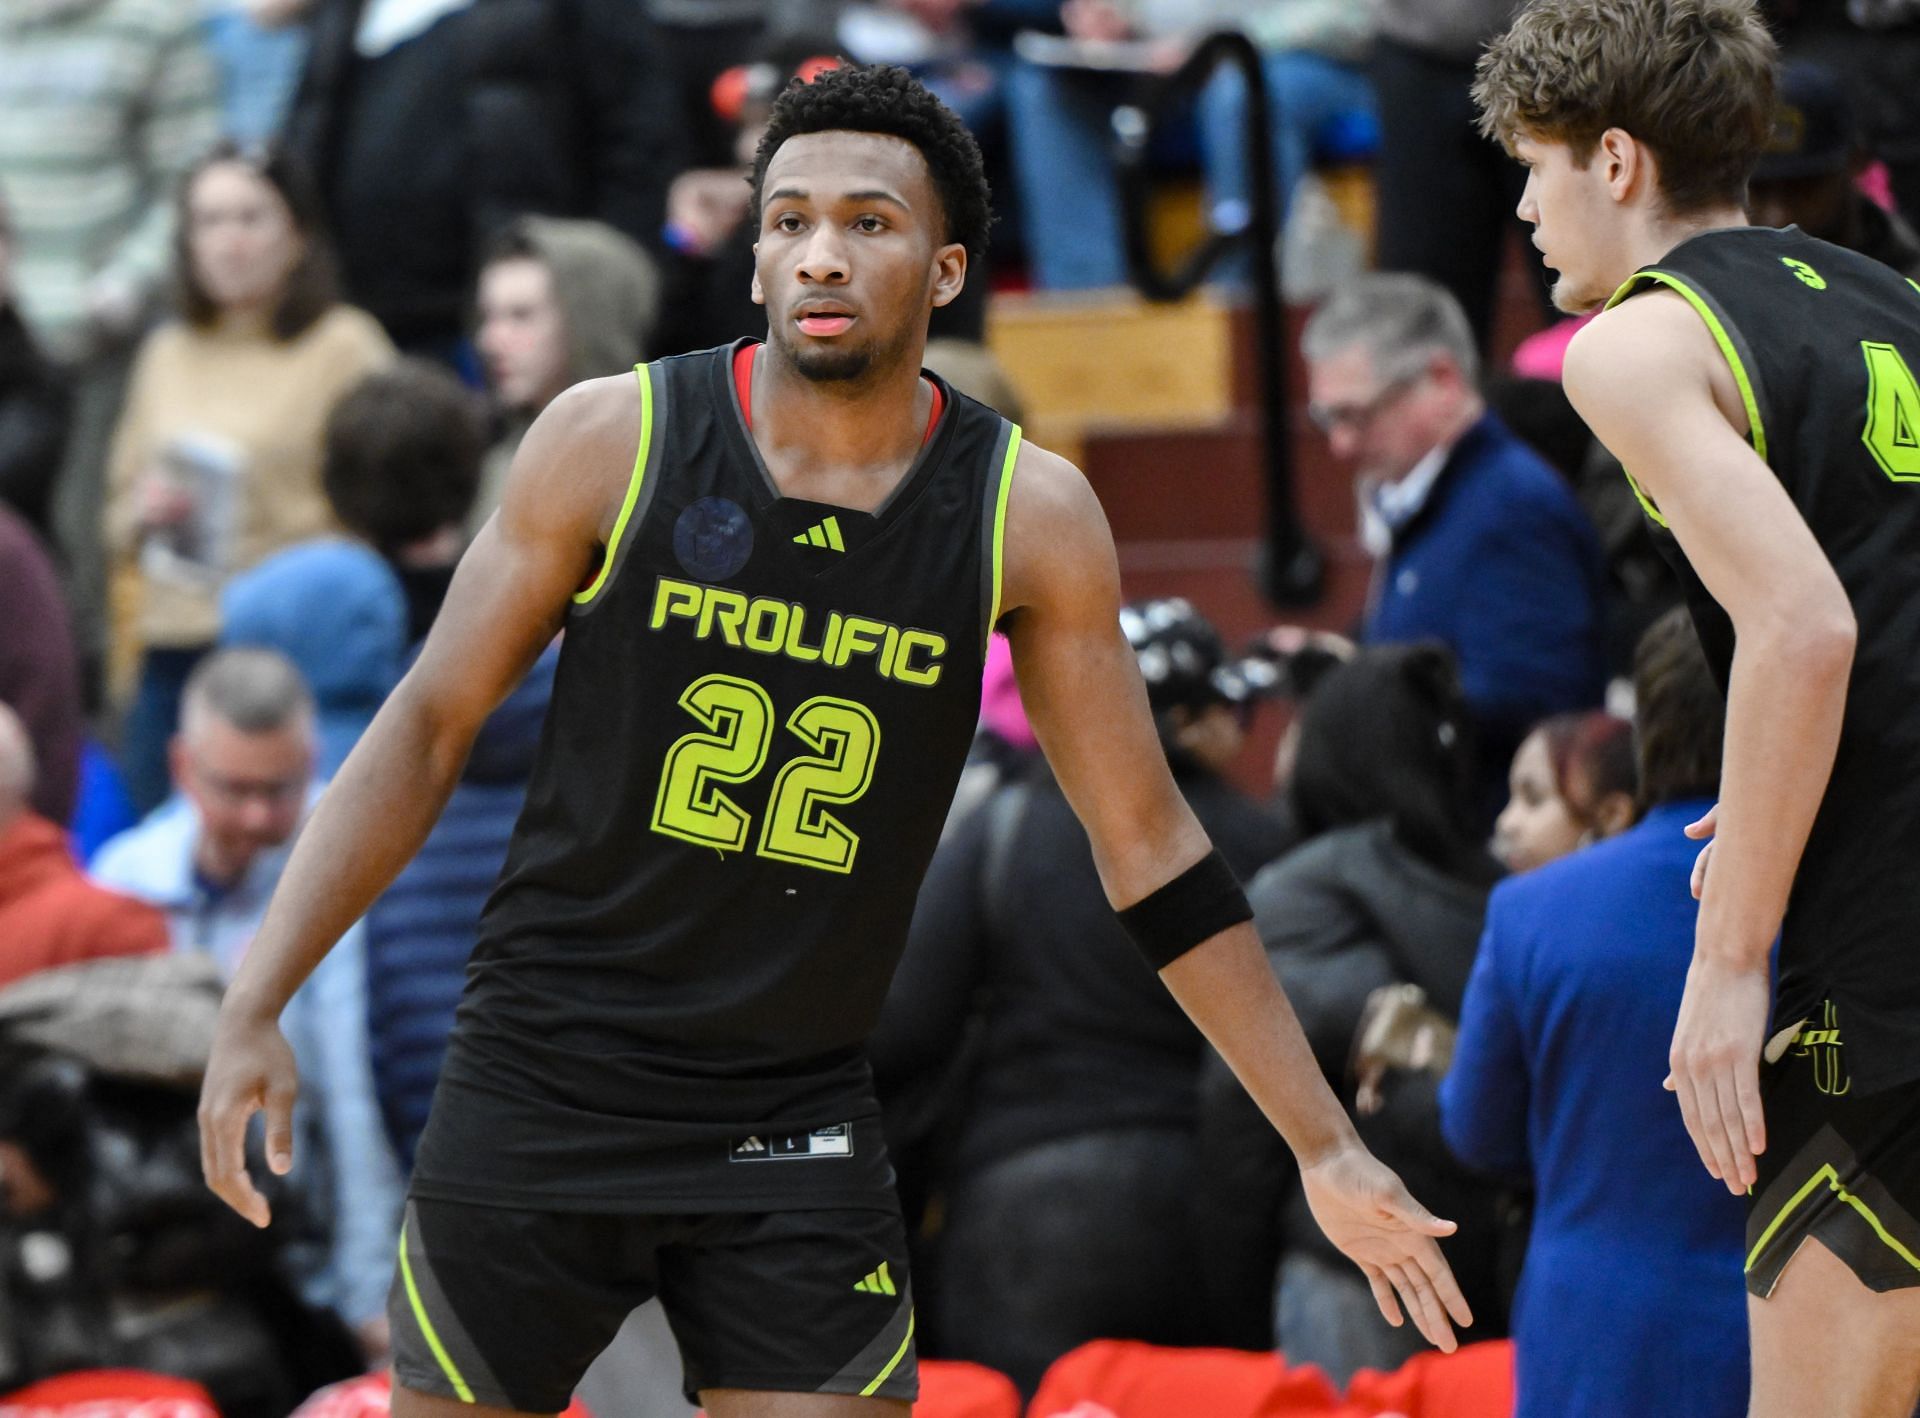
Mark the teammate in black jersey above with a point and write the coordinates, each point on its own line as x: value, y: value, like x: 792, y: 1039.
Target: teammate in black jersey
x: 776, y: 567
x: 1760, y: 388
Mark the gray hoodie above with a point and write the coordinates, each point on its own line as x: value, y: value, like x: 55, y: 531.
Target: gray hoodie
x: 608, y: 290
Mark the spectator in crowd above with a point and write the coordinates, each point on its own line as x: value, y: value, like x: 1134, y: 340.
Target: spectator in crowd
x: 560, y: 301
x: 431, y: 123
x: 50, y: 914
x: 699, y: 40
x: 107, y: 103
x: 39, y: 675
x: 1073, y: 1163
x: 1444, y: 195
x: 1809, y: 175
x: 113, y: 1253
x: 1632, y: 1298
x: 259, y: 47
x: 1482, y: 546
x: 1060, y: 119
x: 216, y: 461
x: 335, y: 609
x: 33, y: 406
x: 403, y: 460
x: 1875, y: 46
x: 422, y: 929
x: 209, y: 859
x: 1572, y: 784
x: 1388, y: 889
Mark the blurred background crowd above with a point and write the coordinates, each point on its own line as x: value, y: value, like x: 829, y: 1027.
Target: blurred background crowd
x: 282, y: 283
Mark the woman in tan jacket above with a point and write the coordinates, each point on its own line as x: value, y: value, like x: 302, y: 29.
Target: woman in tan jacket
x: 216, y: 461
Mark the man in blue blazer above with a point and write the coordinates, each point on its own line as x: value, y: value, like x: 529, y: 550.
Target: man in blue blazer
x: 1481, y: 544
x: 1632, y: 1298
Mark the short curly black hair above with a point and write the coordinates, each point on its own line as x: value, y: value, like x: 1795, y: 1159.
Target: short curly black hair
x: 884, y: 98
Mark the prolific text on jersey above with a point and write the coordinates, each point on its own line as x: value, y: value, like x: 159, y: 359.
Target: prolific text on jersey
x: 767, y: 625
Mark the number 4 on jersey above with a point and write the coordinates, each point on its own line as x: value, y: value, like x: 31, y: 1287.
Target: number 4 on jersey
x: 1892, y: 433
x: 738, y: 718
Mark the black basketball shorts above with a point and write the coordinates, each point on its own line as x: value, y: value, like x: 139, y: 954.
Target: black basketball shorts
x: 1840, y: 1167
x: 508, y: 1307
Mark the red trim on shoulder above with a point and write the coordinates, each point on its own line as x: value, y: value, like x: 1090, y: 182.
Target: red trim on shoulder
x: 743, y: 378
x: 743, y: 381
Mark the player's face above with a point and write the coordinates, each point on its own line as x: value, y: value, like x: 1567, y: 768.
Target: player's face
x: 1574, y: 223
x: 852, y: 255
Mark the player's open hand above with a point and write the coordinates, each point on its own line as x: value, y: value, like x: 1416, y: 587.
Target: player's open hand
x: 251, y: 1069
x: 1715, y: 1063
x: 1376, y: 1223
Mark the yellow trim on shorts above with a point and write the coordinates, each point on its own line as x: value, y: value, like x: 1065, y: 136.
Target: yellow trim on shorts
x: 426, y: 1325
x: 1828, y: 1175
x: 892, y: 1364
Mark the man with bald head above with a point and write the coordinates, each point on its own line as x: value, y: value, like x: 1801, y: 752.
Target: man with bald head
x: 50, y: 914
x: 243, y: 767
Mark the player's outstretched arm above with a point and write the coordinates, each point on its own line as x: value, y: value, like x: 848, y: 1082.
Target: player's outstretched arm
x: 1082, y: 690
x: 1650, y: 382
x: 506, y: 603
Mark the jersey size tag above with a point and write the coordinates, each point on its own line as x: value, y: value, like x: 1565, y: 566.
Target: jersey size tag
x: 835, y: 1141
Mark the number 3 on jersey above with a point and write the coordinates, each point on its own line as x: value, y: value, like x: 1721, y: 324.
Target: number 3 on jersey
x: 738, y: 718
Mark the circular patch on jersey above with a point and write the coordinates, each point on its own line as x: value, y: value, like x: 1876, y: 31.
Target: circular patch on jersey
x: 713, y: 538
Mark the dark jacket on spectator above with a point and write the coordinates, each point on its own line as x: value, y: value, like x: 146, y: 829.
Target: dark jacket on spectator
x: 420, y: 933
x: 99, y: 1070
x: 1501, y: 566
x: 33, y: 422
x: 39, y: 670
x: 1078, y: 1034
x: 509, y: 106
x: 1346, y: 913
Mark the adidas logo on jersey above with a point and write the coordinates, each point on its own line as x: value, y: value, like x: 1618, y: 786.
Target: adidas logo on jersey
x: 823, y: 534
x: 878, y: 1282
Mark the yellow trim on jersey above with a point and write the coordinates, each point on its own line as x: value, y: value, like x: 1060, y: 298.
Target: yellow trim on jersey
x: 426, y: 1325
x: 633, y: 487
x: 1756, y: 430
x: 1000, y: 523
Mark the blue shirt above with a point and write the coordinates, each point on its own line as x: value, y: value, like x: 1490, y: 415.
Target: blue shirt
x: 1632, y: 1299
x: 1502, y: 565
x: 342, y: 1154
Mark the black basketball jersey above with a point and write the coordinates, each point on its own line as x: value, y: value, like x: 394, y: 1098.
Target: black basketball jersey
x: 1824, y: 345
x: 761, y: 709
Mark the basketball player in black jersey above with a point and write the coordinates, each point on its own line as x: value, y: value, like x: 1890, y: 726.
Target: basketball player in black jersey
x: 1760, y: 388
x: 776, y: 568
